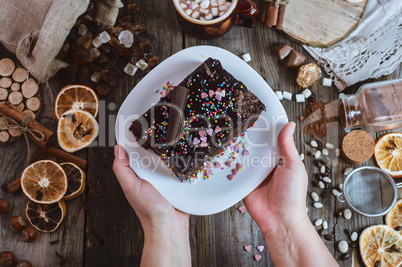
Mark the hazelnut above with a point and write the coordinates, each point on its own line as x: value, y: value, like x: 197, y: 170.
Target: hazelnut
x: 5, y: 206
x: 17, y: 223
x: 24, y: 264
x: 6, y: 259
x: 30, y: 234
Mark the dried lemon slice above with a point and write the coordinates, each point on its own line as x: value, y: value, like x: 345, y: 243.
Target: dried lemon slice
x: 44, y: 182
x: 388, y: 153
x: 394, y: 217
x: 381, y: 246
x: 46, y: 218
x: 78, y: 97
x: 75, y: 178
x: 76, y: 129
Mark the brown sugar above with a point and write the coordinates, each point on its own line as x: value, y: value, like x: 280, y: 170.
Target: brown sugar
x: 357, y: 146
x: 317, y: 119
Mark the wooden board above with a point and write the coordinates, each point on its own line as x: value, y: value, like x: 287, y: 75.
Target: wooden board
x: 101, y: 228
x: 321, y: 22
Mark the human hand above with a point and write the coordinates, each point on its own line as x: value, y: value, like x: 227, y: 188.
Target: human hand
x: 151, y: 207
x: 281, y: 198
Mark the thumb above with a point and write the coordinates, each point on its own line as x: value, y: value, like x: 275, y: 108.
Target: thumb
x: 125, y: 175
x: 287, y: 147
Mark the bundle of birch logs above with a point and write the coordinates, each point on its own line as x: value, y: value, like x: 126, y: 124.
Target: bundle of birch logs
x: 20, y: 90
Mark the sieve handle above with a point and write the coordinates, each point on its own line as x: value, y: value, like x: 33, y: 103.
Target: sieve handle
x: 342, y: 200
x: 398, y: 185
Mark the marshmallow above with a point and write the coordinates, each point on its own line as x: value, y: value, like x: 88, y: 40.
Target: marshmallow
x: 246, y: 57
x: 287, y: 95
x: 279, y: 95
x: 326, y: 82
x: 299, y: 98
x: 307, y: 93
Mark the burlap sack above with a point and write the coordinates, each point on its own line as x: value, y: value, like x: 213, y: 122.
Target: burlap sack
x: 35, y: 30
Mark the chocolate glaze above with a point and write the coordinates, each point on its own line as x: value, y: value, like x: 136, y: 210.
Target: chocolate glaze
x: 215, y: 99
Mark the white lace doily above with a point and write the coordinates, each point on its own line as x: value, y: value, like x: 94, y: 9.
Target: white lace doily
x: 372, y: 50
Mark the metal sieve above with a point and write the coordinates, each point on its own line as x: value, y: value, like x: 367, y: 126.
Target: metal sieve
x: 369, y: 191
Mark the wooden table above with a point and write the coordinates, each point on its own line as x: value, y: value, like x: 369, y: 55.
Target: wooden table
x: 101, y: 228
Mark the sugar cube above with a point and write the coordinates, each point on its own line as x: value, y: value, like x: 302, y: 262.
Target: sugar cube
x: 287, y: 95
x: 307, y: 93
x: 97, y: 42
x: 95, y: 77
x: 126, y: 38
x: 246, y: 57
x: 326, y: 82
x: 279, y: 95
x: 299, y: 98
x: 95, y: 52
x: 141, y: 64
x: 130, y: 69
x: 105, y: 37
x: 82, y: 29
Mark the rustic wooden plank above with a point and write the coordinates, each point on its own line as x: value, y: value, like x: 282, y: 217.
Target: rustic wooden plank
x: 70, y: 234
x: 114, y: 235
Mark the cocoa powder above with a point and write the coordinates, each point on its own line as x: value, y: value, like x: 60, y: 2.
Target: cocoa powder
x: 316, y: 119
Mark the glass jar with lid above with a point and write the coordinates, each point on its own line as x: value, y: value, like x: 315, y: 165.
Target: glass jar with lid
x: 375, y: 107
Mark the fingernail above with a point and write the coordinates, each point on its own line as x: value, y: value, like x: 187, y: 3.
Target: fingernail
x: 116, y: 151
x: 292, y: 128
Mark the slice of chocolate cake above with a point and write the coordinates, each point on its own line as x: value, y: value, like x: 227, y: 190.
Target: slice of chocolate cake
x: 198, y: 119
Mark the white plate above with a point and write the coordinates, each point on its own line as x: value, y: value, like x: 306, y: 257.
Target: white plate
x: 218, y: 193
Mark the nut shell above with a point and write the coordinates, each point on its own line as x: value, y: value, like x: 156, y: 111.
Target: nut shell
x: 5, y: 206
x: 17, y: 223
x: 6, y: 259
x: 30, y: 234
x: 24, y: 264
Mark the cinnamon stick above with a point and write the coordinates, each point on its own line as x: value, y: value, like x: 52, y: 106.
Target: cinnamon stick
x: 60, y: 154
x: 8, y: 110
x: 14, y: 186
x: 272, y: 14
x: 264, y: 13
x: 281, y: 16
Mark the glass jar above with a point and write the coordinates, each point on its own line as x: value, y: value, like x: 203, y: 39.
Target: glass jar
x: 375, y: 107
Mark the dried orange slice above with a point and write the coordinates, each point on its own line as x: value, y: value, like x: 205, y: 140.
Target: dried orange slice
x: 380, y: 243
x: 77, y: 97
x: 388, y: 153
x: 46, y: 218
x: 44, y: 182
x: 76, y: 129
x: 394, y: 217
x: 75, y: 178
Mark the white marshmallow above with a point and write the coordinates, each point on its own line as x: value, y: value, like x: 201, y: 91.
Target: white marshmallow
x: 246, y: 57
x: 204, y: 4
x: 307, y: 93
x: 299, y: 98
x: 195, y: 15
x: 326, y: 82
x: 279, y: 95
x: 287, y: 95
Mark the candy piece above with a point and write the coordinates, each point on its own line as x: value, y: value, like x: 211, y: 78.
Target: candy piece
x: 287, y: 95
x: 208, y: 172
x: 307, y: 93
x: 257, y: 257
x: 211, y: 93
x: 228, y: 163
x: 242, y: 209
x: 196, y: 141
x: 235, y: 171
x: 203, y: 139
x: 201, y: 133
x: 294, y: 60
x: 217, y: 164
x: 326, y: 82
x: 281, y: 51
x: 230, y: 177
x: 208, y: 165
x: 260, y: 248
x: 204, y: 144
x: 217, y: 129
x: 247, y: 247
x: 246, y: 57
x: 237, y: 149
x: 246, y: 153
x: 209, y: 131
x: 299, y: 98
x: 239, y: 166
x: 204, y: 95
x: 308, y: 75
x: 279, y: 95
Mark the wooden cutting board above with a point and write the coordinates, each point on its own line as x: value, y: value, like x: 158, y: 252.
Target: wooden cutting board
x: 321, y: 23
